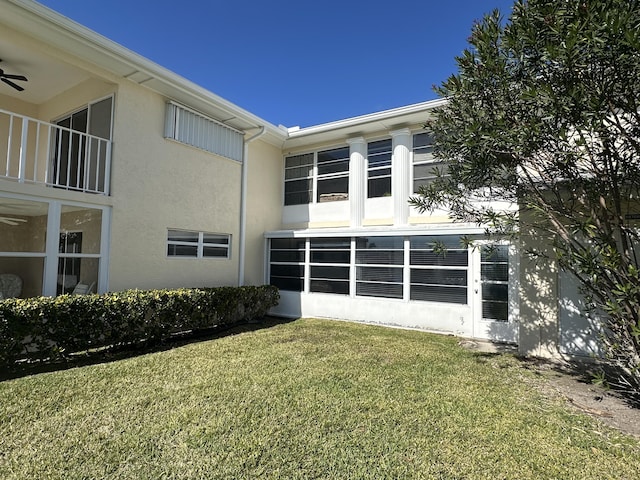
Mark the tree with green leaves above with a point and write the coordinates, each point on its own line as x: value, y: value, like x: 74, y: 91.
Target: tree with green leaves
x: 544, y: 114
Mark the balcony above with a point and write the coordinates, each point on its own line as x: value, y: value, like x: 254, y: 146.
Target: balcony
x: 56, y: 155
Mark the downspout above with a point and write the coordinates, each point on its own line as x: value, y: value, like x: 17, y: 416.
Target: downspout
x: 243, y: 204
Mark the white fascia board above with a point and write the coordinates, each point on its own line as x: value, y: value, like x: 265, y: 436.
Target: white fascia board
x: 381, y: 116
x: 361, y: 126
x: 386, y: 231
x: 49, y: 26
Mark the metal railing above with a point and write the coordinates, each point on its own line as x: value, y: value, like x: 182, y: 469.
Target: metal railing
x: 44, y: 153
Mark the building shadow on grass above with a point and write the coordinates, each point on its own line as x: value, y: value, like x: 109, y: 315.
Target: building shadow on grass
x: 120, y: 352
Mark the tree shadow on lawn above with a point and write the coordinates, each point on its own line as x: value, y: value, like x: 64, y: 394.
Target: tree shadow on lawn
x: 120, y: 352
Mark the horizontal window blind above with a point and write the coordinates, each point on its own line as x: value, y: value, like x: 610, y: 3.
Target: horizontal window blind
x: 197, y: 130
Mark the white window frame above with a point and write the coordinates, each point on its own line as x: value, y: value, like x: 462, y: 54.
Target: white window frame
x: 377, y: 168
x: 314, y: 176
x: 428, y: 160
x: 200, y: 244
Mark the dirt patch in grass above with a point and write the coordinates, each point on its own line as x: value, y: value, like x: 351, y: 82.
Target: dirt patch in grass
x: 572, y: 382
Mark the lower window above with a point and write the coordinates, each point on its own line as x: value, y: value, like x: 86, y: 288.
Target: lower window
x: 184, y: 243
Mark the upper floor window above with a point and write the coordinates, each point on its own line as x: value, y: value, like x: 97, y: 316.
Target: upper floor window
x: 333, y: 175
x: 183, y: 243
x: 82, y: 148
x: 379, y: 168
x: 298, y: 179
x: 317, y: 177
x: 425, y: 164
x: 195, y: 129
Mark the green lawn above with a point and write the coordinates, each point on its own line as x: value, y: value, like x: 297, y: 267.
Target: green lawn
x: 307, y: 399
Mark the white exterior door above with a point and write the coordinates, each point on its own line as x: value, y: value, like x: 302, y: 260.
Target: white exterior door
x: 494, y: 292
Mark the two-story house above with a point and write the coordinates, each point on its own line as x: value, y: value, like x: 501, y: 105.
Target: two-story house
x: 116, y: 173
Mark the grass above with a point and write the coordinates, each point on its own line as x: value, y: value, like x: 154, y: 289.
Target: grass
x: 307, y: 399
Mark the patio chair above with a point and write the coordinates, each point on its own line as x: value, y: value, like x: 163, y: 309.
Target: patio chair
x: 83, y: 289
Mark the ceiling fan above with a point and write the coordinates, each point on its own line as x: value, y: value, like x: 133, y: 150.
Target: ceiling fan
x: 12, y: 221
x: 7, y: 78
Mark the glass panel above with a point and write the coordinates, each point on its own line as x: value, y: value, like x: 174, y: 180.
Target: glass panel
x: 287, y: 283
x: 379, y: 274
x: 428, y: 242
x: 454, y: 258
x: 340, y: 166
x: 381, y: 257
x: 21, y: 277
x: 87, y: 222
x: 492, y: 291
x: 330, y: 256
x: 421, y: 140
x: 182, y: 236
x: 77, y: 275
x: 379, y: 147
x: 287, y: 270
x: 297, y: 192
x: 215, y: 251
x: 386, y: 243
x: 182, y: 250
x: 333, y: 189
x: 298, y: 172
x: 498, y: 311
x: 496, y: 253
x: 100, y: 118
x: 215, y: 239
x: 495, y: 272
x: 385, y: 290
x: 23, y: 225
x: 287, y: 256
x: 341, y: 273
x: 439, y: 294
x: 333, y: 243
x: 330, y: 286
x: 439, y: 276
x: 379, y: 187
x: 288, y: 243
x: 299, y: 160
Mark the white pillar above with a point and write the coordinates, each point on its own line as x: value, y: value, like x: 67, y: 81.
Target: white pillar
x: 357, y: 179
x: 401, y: 175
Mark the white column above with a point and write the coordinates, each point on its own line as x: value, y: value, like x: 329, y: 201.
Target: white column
x: 357, y: 179
x: 401, y: 175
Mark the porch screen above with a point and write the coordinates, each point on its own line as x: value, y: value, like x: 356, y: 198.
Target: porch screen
x: 439, y: 268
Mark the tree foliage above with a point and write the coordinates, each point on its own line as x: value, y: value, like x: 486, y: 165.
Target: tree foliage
x: 544, y: 113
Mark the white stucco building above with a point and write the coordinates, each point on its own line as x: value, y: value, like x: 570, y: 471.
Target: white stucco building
x: 116, y: 173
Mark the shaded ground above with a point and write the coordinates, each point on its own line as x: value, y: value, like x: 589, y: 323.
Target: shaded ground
x: 572, y: 383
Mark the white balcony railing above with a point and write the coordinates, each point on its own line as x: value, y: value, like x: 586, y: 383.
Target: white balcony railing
x: 44, y: 153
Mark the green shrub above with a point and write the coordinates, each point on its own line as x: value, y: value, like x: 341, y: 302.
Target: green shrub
x: 50, y: 328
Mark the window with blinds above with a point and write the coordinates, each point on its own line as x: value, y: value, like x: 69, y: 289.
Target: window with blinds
x: 379, y: 266
x: 286, y: 263
x: 379, y: 168
x: 183, y: 243
x: 192, y: 128
x: 333, y: 175
x: 439, y: 269
x: 298, y: 179
x: 425, y: 165
x: 329, y: 261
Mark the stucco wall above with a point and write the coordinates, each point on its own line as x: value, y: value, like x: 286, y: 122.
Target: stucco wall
x: 538, y: 296
x: 264, y: 205
x: 158, y: 184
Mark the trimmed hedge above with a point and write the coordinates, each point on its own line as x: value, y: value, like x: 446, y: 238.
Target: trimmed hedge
x: 53, y: 327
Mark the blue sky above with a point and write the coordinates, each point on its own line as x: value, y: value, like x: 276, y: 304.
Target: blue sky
x: 295, y: 62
